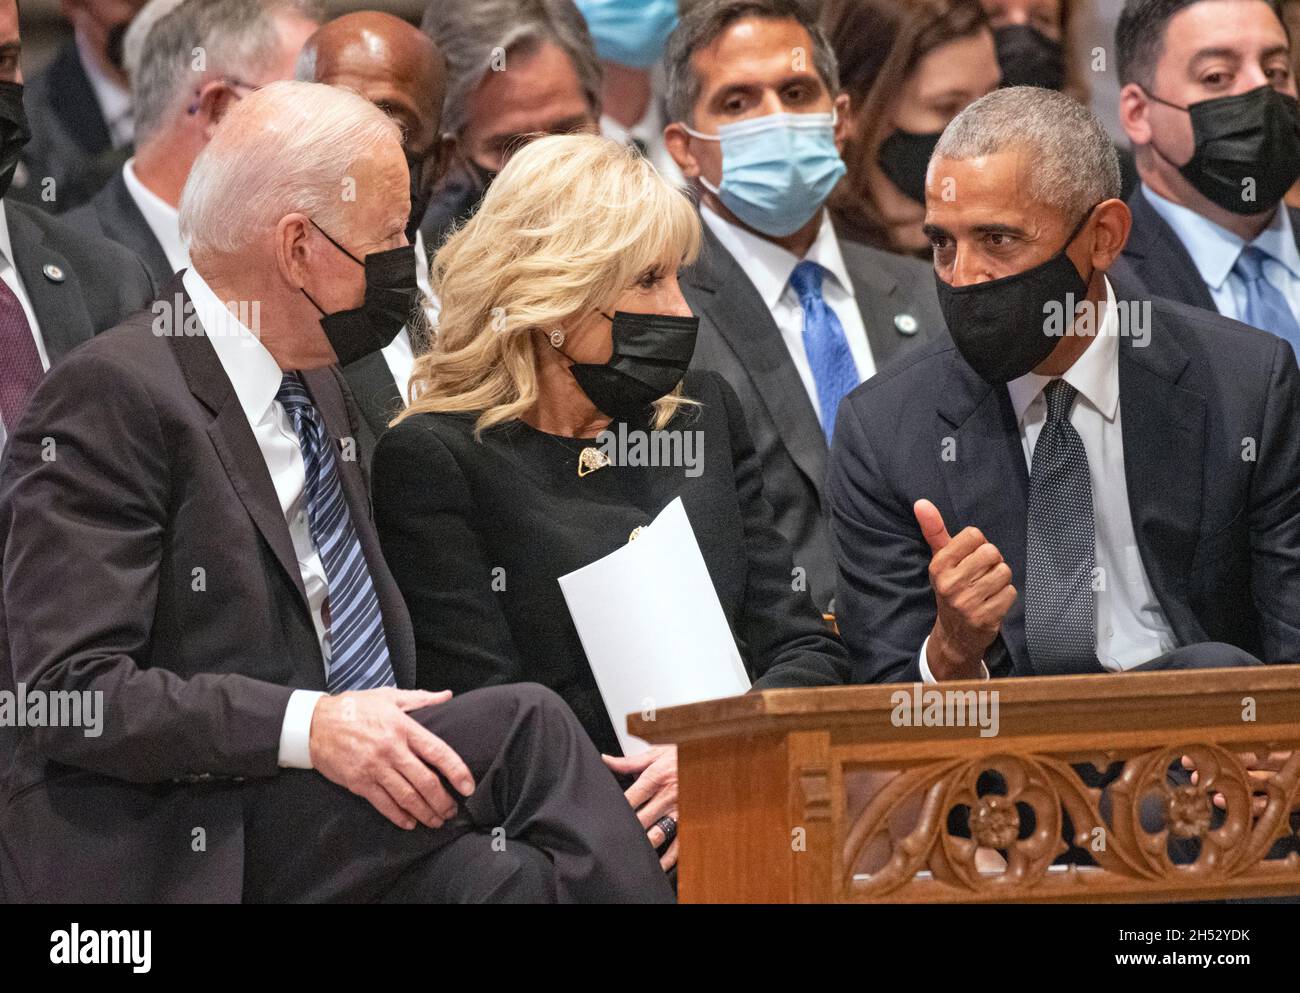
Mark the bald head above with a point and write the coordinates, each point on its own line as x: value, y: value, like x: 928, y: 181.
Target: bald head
x: 392, y: 64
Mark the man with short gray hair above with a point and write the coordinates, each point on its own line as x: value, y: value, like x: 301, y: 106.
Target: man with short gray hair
x: 1063, y: 488
x: 195, y: 62
x: 209, y: 517
x: 515, y: 69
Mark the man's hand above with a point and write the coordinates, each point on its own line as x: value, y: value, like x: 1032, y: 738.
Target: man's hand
x: 1260, y: 767
x: 972, y: 592
x: 654, y: 794
x: 366, y: 742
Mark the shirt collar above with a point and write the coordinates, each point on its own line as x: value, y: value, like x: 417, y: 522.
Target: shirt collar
x: 1095, y: 373
x: 6, y: 247
x: 163, y: 219
x: 1215, y: 249
x: 254, y: 374
x: 768, y: 265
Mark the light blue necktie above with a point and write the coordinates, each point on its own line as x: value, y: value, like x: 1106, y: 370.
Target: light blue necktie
x: 1266, y: 307
x: 358, y: 650
x: 833, y: 368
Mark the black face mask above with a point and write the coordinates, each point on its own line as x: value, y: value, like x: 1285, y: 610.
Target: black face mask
x: 651, y: 355
x: 999, y: 327
x: 1028, y: 57
x: 904, y: 158
x: 1253, y: 135
x: 391, y: 297
x: 421, y: 194
x: 14, y: 131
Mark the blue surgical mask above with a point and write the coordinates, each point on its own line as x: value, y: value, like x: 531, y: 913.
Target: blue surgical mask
x: 630, y: 32
x: 777, y: 170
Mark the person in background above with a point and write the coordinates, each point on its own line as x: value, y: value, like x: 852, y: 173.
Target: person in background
x: 246, y: 44
x: 59, y: 285
x: 81, y: 108
x: 908, y: 67
x: 1209, y: 102
x: 630, y: 36
x: 400, y: 70
x: 1064, y: 491
x: 1037, y: 42
x: 1291, y: 18
x: 791, y: 315
x: 562, y: 318
x: 137, y: 32
x: 515, y: 69
x: 229, y: 598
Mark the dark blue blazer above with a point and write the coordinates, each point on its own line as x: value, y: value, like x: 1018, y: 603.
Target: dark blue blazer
x: 1212, y: 465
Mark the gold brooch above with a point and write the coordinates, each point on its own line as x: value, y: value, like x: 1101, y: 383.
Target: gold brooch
x: 636, y: 533
x: 591, y: 459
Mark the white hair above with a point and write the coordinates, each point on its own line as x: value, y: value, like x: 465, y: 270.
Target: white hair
x: 205, y: 39
x: 1075, y: 163
x: 287, y: 147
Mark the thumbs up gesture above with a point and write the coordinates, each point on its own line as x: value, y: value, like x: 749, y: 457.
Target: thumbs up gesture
x: 972, y: 592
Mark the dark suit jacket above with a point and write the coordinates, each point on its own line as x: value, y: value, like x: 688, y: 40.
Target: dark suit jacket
x: 70, y: 140
x: 150, y: 560
x: 740, y: 340
x: 112, y: 213
x: 376, y: 395
x: 101, y: 281
x: 1218, y: 533
x: 1157, y: 261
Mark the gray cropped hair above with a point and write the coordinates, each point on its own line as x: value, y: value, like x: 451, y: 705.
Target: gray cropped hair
x: 1075, y: 163
x: 205, y: 39
x: 289, y: 146
x: 138, y: 31
x: 475, y: 35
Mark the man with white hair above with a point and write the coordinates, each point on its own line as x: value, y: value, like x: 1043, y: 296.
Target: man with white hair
x: 188, y: 481
x: 1084, y: 480
x: 198, y: 60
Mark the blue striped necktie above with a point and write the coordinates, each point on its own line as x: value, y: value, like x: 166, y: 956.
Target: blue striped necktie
x: 829, y: 356
x: 358, y: 651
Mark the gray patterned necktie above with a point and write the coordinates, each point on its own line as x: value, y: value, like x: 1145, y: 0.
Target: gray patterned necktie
x: 1060, y: 607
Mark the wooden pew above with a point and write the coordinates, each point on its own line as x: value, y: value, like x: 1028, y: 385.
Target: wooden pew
x: 847, y: 794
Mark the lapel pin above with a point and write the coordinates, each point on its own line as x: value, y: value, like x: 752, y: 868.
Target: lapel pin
x: 52, y: 272
x: 905, y: 323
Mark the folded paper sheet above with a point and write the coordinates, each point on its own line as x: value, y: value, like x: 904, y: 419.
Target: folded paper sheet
x: 652, y: 627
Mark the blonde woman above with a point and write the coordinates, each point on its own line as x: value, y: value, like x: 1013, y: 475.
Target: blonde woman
x: 562, y: 319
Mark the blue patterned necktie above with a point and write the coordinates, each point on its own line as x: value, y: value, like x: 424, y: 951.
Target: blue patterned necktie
x: 1061, y: 544
x: 833, y: 368
x: 1266, y: 307
x: 358, y: 651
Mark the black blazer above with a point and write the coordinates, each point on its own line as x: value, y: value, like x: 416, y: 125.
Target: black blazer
x: 740, y: 340
x: 376, y: 395
x: 1219, y: 534
x: 150, y: 560
x: 70, y: 140
x: 79, y: 283
x: 1159, y: 263
x: 112, y: 213
x: 477, y: 533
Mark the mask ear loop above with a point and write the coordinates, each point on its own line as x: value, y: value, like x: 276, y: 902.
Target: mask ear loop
x: 1186, y: 110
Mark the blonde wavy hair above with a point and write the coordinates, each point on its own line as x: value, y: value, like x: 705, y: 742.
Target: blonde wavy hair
x: 568, y: 225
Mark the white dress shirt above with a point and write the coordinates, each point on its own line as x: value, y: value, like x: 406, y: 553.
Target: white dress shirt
x: 113, y: 98
x: 256, y: 378
x: 163, y: 219
x: 1131, y: 626
x: 1215, y: 251
x: 769, y: 267
x: 9, y: 274
x: 398, y: 355
x: 649, y: 133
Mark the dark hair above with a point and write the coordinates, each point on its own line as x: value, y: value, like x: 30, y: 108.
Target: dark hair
x: 878, y: 44
x: 703, y: 23
x: 1140, y: 35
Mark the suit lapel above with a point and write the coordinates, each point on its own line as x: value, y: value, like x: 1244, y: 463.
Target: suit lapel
x: 123, y: 222
x: 232, y: 437
x: 988, y: 483
x: 1163, y: 427
x: 375, y: 391
x: 880, y: 302
x: 745, y: 323
x: 1160, y: 260
x: 51, y: 285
